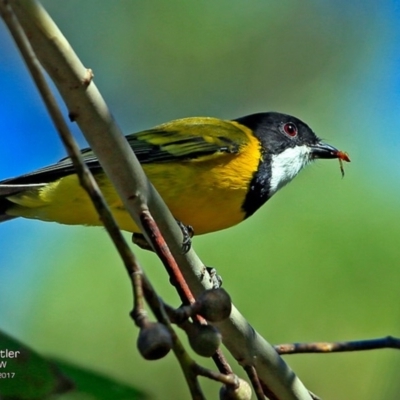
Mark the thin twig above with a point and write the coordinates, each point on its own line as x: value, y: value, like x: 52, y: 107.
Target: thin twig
x: 162, y: 250
x: 255, y: 381
x: 388, y: 342
x: 222, y: 363
x: 230, y: 380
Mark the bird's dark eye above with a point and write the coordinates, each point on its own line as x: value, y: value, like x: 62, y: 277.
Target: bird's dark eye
x: 290, y: 129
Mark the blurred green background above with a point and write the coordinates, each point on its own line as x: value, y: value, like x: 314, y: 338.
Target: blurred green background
x: 320, y: 262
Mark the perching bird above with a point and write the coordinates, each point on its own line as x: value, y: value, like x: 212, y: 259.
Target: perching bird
x: 211, y: 173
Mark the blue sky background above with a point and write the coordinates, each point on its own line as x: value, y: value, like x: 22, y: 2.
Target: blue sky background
x: 334, y: 64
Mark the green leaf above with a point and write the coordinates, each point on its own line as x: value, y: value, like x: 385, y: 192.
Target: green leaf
x: 25, y: 375
x: 99, y: 387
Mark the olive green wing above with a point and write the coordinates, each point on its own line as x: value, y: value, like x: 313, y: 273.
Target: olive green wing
x: 184, y: 139
x: 180, y: 140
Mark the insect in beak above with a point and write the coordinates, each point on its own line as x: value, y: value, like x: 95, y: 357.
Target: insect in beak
x: 342, y: 156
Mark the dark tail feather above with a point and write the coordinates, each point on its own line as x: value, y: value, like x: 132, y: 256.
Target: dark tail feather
x: 9, y: 190
x: 4, y: 204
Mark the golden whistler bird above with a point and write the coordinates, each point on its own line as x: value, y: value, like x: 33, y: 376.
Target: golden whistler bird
x: 211, y: 173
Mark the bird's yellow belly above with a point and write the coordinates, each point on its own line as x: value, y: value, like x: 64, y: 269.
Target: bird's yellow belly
x: 207, y: 196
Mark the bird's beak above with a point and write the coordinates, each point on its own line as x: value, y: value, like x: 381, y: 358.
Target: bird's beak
x: 323, y: 150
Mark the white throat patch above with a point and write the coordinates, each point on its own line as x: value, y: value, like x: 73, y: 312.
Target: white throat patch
x: 285, y: 166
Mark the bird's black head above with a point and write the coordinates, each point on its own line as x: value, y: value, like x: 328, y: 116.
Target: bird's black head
x: 278, y: 132
x: 287, y: 145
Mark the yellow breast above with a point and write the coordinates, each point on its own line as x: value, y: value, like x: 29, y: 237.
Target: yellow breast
x: 206, y: 193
